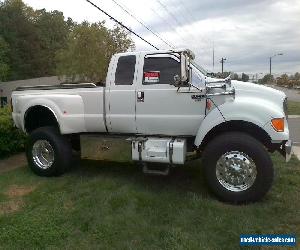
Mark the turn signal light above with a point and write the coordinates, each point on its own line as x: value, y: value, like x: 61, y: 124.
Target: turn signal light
x: 278, y: 124
x: 208, y: 104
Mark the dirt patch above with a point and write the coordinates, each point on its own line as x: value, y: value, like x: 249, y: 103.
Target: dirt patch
x: 11, y: 206
x: 13, y: 162
x: 15, y: 194
x: 19, y: 191
x: 68, y: 205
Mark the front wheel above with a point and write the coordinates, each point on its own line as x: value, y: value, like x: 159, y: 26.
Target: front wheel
x: 237, y: 168
x: 48, y: 152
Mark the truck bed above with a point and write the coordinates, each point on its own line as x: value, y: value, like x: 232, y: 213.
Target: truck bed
x: 78, y: 108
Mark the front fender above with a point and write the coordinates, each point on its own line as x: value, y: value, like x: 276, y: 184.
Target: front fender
x: 257, y: 111
x: 211, y: 120
x: 253, y: 110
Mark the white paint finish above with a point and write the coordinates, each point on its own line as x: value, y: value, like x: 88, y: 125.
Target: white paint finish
x: 252, y: 103
x: 213, y: 119
x: 18, y: 120
x: 68, y: 106
x: 120, y: 114
x: 165, y: 111
x: 93, y: 109
x: 258, y: 105
x: 255, y: 90
x: 250, y: 109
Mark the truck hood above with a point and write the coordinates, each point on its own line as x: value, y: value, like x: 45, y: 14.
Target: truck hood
x: 247, y: 89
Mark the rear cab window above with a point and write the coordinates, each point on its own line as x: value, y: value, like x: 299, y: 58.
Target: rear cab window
x: 125, y: 70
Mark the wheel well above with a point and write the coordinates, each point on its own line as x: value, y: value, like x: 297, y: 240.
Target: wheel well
x: 39, y: 116
x: 240, y: 126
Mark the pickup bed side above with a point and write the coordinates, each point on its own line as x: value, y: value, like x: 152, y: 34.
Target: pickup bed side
x: 75, y: 110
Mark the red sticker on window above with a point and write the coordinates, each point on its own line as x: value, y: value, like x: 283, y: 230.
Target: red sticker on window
x: 151, y: 76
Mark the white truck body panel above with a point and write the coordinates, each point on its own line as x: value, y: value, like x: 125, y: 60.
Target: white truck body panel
x: 76, y: 110
x: 252, y: 103
x: 120, y: 115
x: 213, y: 119
x: 165, y: 110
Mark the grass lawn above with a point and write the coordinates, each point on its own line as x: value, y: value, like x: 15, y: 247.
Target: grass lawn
x: 112, y: 205
x: 293, y: 108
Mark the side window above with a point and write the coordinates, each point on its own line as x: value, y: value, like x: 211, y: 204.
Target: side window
x: 160, y: 70
x: 125, y: 70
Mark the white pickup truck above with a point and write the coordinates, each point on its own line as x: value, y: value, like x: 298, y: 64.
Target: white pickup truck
x: 169, y: 108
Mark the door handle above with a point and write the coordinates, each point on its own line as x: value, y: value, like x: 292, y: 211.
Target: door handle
x: 140, y: 96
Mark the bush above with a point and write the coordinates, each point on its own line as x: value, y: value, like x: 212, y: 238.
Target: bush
x: 12, y: 140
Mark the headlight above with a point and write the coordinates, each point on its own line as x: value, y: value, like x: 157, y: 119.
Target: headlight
x: 285, y: 107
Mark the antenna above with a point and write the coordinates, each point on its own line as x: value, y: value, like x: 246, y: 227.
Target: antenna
x: 213, y: 54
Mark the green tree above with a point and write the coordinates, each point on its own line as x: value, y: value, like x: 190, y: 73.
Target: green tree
x: 222, y: 75
x: 34, y: 37
x: 267, y: 79
x: 52, y: 32
x: 19, y: 32
x: 4, y: 66
x: 245, y: 77
x: 235, y: 76
x: 90, y: 47
x: 296, y: 78
x: 283, y: 80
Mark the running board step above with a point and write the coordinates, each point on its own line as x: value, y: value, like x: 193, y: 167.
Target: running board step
x: 154, y: 171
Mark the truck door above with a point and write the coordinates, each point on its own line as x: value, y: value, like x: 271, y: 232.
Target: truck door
x: 120, y: 96
x: 160, y: 107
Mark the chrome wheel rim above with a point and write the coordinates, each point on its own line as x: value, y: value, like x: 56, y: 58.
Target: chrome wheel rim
x: 43, y: 154
x: 236, y: 171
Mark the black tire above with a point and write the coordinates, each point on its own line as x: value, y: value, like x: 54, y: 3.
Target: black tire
x: 237, y: 141
x: 61, y: 150
x: 75, y: 143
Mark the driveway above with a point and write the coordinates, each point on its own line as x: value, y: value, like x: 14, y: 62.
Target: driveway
x: 294, y: 127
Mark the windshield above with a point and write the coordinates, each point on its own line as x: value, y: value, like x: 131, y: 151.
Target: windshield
x: 202, y: 70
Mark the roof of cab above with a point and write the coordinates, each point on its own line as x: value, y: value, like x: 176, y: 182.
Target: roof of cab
x: 157, y: 52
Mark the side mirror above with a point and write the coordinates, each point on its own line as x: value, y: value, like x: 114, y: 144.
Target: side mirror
x: 228, y: 80
x: 177, y: 80
x: 183, y: 67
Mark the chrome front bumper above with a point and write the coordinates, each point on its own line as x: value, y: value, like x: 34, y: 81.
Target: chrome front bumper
x: 287, y: 147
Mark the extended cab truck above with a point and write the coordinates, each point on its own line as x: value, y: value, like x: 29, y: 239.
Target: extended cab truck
x: 168, y: 107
